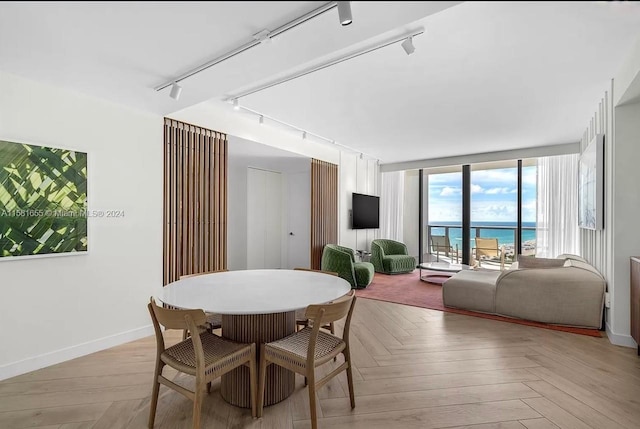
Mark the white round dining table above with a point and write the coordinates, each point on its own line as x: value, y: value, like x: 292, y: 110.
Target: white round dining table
x: 257, y: 306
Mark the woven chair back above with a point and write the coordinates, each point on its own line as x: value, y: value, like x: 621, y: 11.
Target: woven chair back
x: 333, y: 311
x: 175, y: 319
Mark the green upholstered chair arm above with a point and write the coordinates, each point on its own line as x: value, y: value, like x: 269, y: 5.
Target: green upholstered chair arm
x: 347, y: 250
x: 339, y: 260
x: 377, y: 255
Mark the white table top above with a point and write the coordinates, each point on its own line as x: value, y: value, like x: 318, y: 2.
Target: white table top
x: 255, y: 291
x: 444, y: 266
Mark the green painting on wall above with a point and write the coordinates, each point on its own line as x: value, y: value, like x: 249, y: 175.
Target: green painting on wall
x: 43, y: 200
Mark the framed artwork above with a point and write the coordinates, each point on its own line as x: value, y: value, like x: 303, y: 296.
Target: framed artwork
x: 43, y: 200
x: 591, y: 185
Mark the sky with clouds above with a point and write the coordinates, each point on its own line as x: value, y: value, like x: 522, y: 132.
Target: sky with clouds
x: 494, y: 196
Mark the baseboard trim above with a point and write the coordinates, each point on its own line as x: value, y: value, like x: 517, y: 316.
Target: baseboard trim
x: 36, y: 362
x: 620, y: 339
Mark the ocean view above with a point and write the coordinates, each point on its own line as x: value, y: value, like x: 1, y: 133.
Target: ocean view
x: 504, y: 235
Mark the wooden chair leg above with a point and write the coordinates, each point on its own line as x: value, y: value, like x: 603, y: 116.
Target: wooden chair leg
x: 154, y: 395
x: 312, y: 400
x: 197, y: 405
x: 347, y: 357
x: 185, y: 334
x: 263, y: 378
x: 254, y: 381
x: 208, y: 388
x: 332, y: 329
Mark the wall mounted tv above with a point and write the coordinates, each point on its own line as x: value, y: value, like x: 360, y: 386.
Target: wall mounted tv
x: 366, y: 211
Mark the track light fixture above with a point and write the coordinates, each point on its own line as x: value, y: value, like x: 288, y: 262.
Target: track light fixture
x: 406, y: 38
x: 236, y: 106
x: 264, y: 36
x: 176, y: 90
x: 407, y: 45
x: 344, y: 12
x: 305, y: 134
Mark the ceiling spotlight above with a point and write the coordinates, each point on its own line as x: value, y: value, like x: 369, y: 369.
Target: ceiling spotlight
x: 304, y: 135
x: 263, y: 37
x: 344, y: 12
x: 261, y: 120
x: 236, y: 106
x: 407, y: 45
x: 176, y: 90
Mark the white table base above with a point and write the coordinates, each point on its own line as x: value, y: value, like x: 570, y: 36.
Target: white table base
x: 257, y: 328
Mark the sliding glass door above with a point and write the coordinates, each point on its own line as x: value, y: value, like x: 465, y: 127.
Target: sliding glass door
x: 494, y: 213
x: 502, y: 206
x: 443, y: 220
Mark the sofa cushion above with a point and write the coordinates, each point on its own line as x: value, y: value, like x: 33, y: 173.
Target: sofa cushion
x: 533, y: 262
x: 472, y: 290
x: 564, y: 296
x: 584, y: 266
x: 572, y: 257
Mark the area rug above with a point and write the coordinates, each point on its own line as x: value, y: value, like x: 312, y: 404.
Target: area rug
x: 408, y: 289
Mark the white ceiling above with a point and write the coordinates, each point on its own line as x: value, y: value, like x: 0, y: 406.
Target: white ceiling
x: 485, y: 76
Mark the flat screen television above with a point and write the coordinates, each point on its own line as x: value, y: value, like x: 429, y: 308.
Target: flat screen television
x: 366, y: 211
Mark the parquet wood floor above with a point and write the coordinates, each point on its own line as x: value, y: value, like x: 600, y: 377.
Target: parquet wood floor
x: 414, y: 368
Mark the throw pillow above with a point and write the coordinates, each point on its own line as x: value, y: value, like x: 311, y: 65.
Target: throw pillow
x: 533, y: 262
x: 572, y: 257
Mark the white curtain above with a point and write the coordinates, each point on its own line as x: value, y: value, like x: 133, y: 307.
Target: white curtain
x: 391, y: 205
x: 557, y: 229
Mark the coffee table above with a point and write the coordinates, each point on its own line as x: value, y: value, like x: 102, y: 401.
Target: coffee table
x: 445, y: 268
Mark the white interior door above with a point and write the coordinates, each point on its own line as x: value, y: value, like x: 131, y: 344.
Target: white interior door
x: 299, y: 224
x: 264, y: 219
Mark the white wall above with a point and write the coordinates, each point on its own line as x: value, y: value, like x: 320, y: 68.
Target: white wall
x: 296, y: 200
x: 626, y: 238
x: 78, y: 304
x: 360, y: 176
x: 609, y: 249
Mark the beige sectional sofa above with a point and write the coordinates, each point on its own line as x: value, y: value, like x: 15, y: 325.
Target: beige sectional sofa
x: 571, y: 295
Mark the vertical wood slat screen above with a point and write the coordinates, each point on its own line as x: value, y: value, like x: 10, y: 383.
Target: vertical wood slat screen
x: 195, y: 200
x: 324, y: 208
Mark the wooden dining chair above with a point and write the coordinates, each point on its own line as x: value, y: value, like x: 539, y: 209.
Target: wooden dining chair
x: 214, y: 320
x: 301, y: 319
x: 205, y: 356
x: 309, y: 348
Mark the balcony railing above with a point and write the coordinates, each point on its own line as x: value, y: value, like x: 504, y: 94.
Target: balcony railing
x: 528, y: 246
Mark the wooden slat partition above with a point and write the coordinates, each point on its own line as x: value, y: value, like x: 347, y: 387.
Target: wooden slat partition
x: 324, y: 208
x: 195, y: 200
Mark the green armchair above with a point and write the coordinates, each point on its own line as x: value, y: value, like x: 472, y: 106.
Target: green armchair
x: 391, y: 257
x: 341, y: 260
